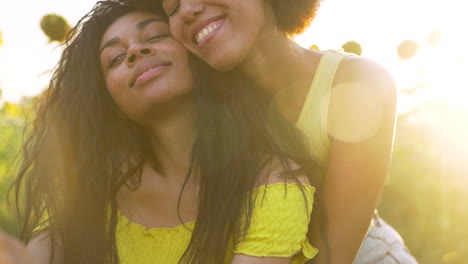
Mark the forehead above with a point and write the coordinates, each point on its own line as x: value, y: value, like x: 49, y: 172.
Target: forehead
x: 129, y: 23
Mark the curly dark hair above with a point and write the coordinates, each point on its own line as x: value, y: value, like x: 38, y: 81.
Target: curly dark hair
x: 294, y: 16
x: 78, y: 140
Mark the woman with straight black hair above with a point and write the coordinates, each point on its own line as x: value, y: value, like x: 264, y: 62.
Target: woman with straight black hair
x: 138, y: 153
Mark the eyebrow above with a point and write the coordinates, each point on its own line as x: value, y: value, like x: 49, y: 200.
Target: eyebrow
x: 140, y: 26
x: 146, y: 22
x: 109, y: 43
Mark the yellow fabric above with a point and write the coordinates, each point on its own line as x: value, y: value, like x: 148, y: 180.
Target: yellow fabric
x: 278, y: 228
x: 312, y: 120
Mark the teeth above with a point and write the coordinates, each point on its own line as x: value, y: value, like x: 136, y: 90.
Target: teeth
x: 204, y: 32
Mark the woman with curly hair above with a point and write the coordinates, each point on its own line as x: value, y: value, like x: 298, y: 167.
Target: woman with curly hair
x: 345, y: 105
x: 138, y: 153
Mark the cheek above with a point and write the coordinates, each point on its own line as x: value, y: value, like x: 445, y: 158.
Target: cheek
x: 175, y: 26
x: 248, y: 17
x: 112, y: 83
x: 116, y: 88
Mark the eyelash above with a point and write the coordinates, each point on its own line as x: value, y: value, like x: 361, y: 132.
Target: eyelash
x: 118, y: 57
x: 158, y: 37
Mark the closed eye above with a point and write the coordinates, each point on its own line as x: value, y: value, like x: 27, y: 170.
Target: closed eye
x: 117, y: 59
x: 158, y: 37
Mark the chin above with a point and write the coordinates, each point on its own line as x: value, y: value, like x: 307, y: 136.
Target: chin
x: 222, y: 66
x: 230, y: 56
x: 224, y: 63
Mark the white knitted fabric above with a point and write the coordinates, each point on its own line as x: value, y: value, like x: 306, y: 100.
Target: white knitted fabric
x: 383, y: 245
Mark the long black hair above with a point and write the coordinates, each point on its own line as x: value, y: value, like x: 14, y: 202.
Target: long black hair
x: 237, y: 127
x: 79, y: 151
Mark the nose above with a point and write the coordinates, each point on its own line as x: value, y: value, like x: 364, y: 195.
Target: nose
x: 136, y: 52
x: 191, y: 9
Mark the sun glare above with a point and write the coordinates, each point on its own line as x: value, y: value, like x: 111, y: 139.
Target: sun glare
x: 447, y: 74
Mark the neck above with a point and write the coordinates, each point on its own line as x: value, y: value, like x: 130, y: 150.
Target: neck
x: 281, y: 67
x: 171, y: 136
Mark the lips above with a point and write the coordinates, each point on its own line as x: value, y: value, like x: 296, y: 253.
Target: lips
x: 146, y: 71
x: 206, y: 28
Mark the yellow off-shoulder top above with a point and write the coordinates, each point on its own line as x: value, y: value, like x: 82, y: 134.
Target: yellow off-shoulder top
x: 278, y: 228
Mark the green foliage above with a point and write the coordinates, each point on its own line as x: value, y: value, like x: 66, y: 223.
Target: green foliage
x: 428, y: 183
x: 352, y: 47
x: 12, y: 118
x: 55, y: 27
x: 407, y: 49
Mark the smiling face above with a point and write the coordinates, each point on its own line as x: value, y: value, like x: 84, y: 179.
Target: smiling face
x: 221, y: 32
x: 143, y: 66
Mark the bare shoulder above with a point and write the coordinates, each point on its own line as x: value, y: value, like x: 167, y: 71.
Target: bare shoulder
x: 40, y: 248
x: 274, y: 170
x: 362, y: 100
x: 362, y: 70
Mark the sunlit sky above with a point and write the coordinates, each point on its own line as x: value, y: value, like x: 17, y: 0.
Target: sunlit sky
x: 379, y: 26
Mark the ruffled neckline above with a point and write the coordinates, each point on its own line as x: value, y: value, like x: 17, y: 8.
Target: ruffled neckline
x: 188, y: 226
x: 139, y: 228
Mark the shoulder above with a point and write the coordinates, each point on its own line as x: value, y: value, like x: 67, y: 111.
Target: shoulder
x: 367, y: 72
x: 40, y: 248
x: 275, y: 170
x: 362, y: 100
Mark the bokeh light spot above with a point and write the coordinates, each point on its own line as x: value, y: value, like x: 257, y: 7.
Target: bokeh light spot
x: 355, y: 112
x: 407, y: 49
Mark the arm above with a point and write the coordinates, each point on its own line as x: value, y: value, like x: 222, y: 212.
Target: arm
x: 361, y: 127
x: 13, y: 251
x: 40, y: 247
x: 38, y: 250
